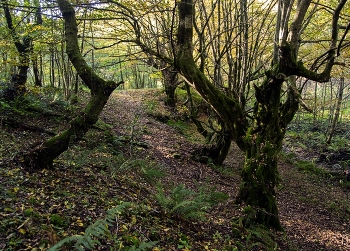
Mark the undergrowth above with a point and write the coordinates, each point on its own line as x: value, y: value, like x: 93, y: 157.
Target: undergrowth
x: 188, y: 204
x: 80, y: 204
x: 101, y: 230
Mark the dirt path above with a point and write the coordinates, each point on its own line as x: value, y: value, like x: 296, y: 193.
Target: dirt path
x: 314, y: 212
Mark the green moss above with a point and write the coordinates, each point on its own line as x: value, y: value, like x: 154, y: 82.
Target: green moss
x: 57, y: 220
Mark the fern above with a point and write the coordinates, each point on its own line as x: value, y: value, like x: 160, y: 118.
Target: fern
x: 143, y: 246
x: 96, y: 231
x: 187, y: 203
x: 148, y: 171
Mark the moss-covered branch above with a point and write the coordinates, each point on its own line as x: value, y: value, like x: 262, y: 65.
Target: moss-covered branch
x: 89, y: 77
x: 43, y: 155
x: 227, y: 108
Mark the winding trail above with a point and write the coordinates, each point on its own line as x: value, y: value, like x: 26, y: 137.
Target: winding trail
x: 314, y: 212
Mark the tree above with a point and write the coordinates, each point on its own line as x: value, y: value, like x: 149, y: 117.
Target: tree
x: 259, y: 134
x: 231, y: 47
x: 100, y: 89
x: 17, y: 87
x: 334, y: 120
x: 152, y: 33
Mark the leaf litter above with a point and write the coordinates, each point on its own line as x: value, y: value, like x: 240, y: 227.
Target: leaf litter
x: 38, y: 209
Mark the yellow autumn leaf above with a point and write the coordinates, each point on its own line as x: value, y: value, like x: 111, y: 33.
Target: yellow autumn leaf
x: 133, y: 219
x: 22, y: 231
x: 121, y: 245
x: 79, y: 222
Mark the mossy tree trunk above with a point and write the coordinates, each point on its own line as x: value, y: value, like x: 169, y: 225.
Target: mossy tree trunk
x: 258, y: 135
x: 263, y: 143
x: 170, y: 85
x: 43, y: 155
x: 17, y: 85
x: 220, y: 147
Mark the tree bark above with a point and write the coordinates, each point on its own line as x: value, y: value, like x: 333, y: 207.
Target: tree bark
x: 37, y: 79
x: 170, y: 85
x: 17, y: 87
x: 43, y: 155
x: 220, y: 147
x: 337, y: 111
x: 263, y: 145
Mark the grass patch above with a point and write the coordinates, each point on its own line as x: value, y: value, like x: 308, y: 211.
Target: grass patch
x: 309, y: 167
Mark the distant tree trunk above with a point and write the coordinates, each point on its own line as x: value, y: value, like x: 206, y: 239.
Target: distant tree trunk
x: 52, y: 66
x: 43, y: 155
x: 37, y: 78
x: 17, y: 87
x: 38, y: 21
x: 337, y: 111
x: 170, y: 76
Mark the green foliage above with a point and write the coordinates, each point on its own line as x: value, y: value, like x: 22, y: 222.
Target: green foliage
x: 35, y: 102
x: 188, y: 204
x: 151, y: 106
x: 98, y: 231
x: 339, y: 142
x: 148, y: 171
x: 184, y: 242
x: 180, y: 126
x: 309, y: 167
x: 57, y: 220
x: 288, y: 157
x: 254, y: 237
x: 224, y: 171
x: 181, y: 93
x: 307, y: 137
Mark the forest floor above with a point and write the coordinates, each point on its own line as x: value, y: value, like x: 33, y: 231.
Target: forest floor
x: 113, y: 163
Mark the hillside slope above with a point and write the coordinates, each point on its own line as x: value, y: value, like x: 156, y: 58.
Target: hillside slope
x: 108, y: 167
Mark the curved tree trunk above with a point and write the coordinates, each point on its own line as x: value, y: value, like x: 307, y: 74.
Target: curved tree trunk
x: 43, y: 155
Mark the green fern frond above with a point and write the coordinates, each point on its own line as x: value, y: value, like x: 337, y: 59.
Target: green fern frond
x: 96, y: 231
x: 186, y: 203
x: 65, y: 241
x: 144, y: 246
